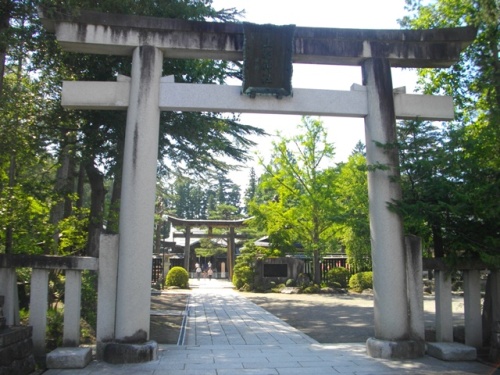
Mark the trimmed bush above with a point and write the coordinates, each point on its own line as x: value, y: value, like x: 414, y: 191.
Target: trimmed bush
x: 243, y: 275
x: 361, y: 281
x: 290, y: 283
x: 338, y: 277
x: 177, y: 276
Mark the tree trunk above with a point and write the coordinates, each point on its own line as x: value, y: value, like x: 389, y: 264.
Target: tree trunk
x: 437, y: 240
x: 316, y: 270
x: 63, y: 188
x: 96, y: 180
x: 80, y: 186
x: 9, y: 231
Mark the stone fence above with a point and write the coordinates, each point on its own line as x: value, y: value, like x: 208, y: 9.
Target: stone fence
x: 41, y: 266
x: 73, y: 267
x: 473, y: 309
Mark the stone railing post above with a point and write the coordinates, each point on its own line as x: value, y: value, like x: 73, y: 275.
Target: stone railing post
x: 72, y: 307
x: 8, y: 288
x: 472, y: 309
x: 413, y: 247
x: 444, y: 316
x: 38, y: 308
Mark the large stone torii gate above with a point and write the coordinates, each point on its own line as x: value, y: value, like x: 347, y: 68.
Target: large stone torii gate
x: 150, y: 40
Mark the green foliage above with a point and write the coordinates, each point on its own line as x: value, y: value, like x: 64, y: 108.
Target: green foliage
x: 290, y: 283
x: 312, y: 289
x: 353, y: 230
x: 361, y: 281
x: 296, y: 201
x: 243, y: 275
x: 54, y: 332
x: 73, y: 232
x: 208, y: 248
x: 338, y: 277
x: 89, y: 298
x: 177, y: 276
x: 451, y: 174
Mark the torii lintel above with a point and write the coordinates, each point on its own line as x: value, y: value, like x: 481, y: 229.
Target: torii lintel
x: 118, y: 34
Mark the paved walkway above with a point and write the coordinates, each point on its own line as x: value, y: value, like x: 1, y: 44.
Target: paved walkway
x: 227, y: 334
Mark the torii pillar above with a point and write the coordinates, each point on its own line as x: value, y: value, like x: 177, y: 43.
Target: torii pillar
x: 138, y: 196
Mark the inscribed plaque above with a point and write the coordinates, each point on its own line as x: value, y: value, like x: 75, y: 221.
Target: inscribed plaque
x: 268, y: 53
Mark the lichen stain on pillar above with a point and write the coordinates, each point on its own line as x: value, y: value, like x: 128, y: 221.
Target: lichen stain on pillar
x: 136, y: 141
x: 146, y: 56
x: 82, y: 32
x: 383, y: 83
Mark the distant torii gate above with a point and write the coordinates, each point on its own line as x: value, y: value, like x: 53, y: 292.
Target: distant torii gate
x: 149, y: 40
x: 187, y: 224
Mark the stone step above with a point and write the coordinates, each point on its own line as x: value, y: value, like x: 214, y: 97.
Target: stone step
x: 64, y: 358
x: 451, y: 351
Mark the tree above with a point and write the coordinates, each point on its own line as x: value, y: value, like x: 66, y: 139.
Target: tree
x: 353, y: 230
x: 92, y: 141
x: 472, y: 169
x: 468, y: 167
x: 250, y: 190
x: 304, y: 208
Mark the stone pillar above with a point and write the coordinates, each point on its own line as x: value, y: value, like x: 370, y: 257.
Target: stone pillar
x: 187, y: 249
x: 106, y: 296
x: 444, y: 314
x: 472, y: 309
x: 414, y: 266
x: 8, y: 288
x: 392, y: 330
x: 138, y: 197
x: 72, y: 307
x: 39, y: 304
x: 494, y: 354
x: 231, y: 253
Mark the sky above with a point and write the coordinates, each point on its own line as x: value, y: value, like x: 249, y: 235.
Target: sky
x: 358, y: 14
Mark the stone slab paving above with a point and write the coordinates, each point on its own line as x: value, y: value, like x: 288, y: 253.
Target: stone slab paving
x: 227, y: 335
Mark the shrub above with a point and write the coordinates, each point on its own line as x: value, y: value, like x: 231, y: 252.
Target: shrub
x: 177, y: 276
x: 311, y: 289
x: 338, y: 277
x: 361, y: 281
x: 290, y: 283
x: 242, y: 275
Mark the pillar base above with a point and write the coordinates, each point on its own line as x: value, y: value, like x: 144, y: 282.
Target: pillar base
x: 405, y: 349
x: 119, y: 353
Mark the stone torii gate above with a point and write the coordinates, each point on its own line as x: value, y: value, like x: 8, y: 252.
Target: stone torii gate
x: 150, y: 40
x: 231, y: 236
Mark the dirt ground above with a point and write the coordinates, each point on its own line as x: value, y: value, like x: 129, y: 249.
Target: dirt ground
x: 167, y: 312
x: 327, y: 318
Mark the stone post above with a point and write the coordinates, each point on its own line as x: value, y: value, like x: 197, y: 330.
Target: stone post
x: 2, y: 319
x: 187, y: 249
x: 106, y: 296
x: 392, y: 327
x: 138, y: 197
x: 444, y: 314
x: 414, y: 267
x: 472, y: 309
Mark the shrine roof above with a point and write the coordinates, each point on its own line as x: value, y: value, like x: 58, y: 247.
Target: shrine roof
x: 206, y: 223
